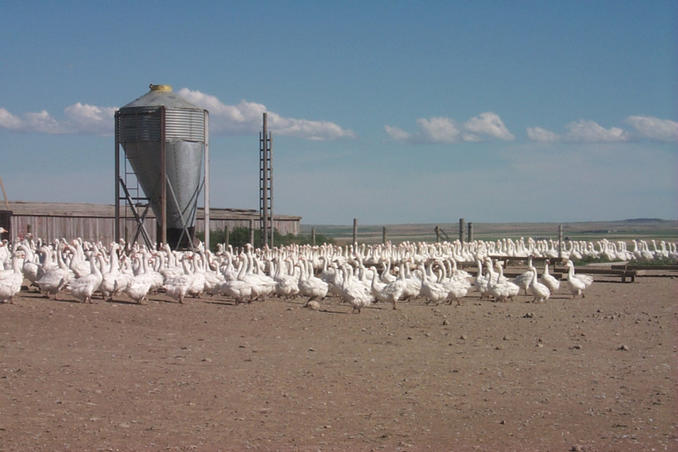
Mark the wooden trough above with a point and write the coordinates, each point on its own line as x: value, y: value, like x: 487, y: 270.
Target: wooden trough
x: 625, y: 274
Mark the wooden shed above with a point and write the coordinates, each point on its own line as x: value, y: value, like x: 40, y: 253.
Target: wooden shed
x: 94, y: 222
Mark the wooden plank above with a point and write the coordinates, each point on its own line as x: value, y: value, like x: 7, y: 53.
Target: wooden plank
x: 645, y: 267
x: 623, y: 274
x: 513, y: 274
x: 595, y: 271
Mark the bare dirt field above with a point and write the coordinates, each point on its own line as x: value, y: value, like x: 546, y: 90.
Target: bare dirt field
x: 597, y: 373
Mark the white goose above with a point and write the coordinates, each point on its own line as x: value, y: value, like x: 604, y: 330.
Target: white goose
x: 78, y: 263
x: 353, y: 292
x: 141, y: 283
x: 83, y: 287
x: 431, y: 287
x: 457, y: 285
x: 114, y: 281
x: 238, y: 288
x: 262, y: 284
x: 540, y: 291
x: 178, y: 286
x: 55, y: 277
x: 310, y: 285
x: 412, y: 287
x: 11, y: 284
x: 388, y: 292
x: 386, y: 275
x: 363, y: 276
x: 31, y: 267
x: 213, y: 278
x: 287, y: 284
x: 197, y: 276
x: 577, y: 283
x: 456, y: 274
x: 524, y: 279
x: 153, y: 273
x: 482, y: 282
x: 327, y: 273
x: 549, y: 280
x: 334, y: 276
x: 499, y: 287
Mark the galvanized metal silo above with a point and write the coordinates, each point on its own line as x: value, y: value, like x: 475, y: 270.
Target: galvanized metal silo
x: 165, y: 138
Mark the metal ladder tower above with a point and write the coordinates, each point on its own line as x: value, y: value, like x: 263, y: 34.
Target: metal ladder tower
x: 129, y: 194
x: 266, y: 185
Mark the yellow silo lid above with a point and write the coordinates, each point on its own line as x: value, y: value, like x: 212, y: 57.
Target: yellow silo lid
x: 163, y: 88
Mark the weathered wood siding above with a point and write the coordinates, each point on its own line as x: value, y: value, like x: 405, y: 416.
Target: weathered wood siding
x: 282, y: 225
x: 94, y: 222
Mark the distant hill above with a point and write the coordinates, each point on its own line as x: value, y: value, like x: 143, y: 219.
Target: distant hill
x: 644, y: 220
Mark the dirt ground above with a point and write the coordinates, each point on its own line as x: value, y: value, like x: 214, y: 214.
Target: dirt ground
x: 597, y: 373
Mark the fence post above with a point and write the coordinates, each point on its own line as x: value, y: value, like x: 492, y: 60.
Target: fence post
x: 355, y: 232
x: 313, y: 236
x: 437, y: 231
x: 560, y: 242
x: 252, y: 232
x: 469, y: 236
x: 383, y: 235
x: 461, y: 230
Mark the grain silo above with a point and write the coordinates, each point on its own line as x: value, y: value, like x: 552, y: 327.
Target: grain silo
x: 164, y: 138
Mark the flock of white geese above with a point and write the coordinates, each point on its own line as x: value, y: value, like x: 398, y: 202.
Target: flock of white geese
x: 358, y: 275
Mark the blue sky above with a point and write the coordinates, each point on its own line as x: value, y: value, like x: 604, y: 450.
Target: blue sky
x: 392, y: 112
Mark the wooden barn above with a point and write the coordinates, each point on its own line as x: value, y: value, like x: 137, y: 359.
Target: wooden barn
x: 95, y: 222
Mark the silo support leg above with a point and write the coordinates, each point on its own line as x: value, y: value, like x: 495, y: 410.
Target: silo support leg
x: 140, y: 226
x: 138, y: 219
x: 193, y: 202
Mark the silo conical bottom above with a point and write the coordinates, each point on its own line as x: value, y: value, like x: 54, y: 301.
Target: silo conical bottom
x: 183, y: 164
x: 175, y: 239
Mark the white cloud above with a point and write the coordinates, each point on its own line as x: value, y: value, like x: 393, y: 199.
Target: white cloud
x: 438, y: 130
x: 654, y: 128
x: 228, y: 118
x: 586, y: 131
x: 42, y: 122
x: 541, y: 135
x: 80, y: 118
x: 592, y: 132
x: 8, y: 120
x: 395, y: 133
x: 489, y: 124
x: 446, y: 130
x: 245, y: 118
x: 86, y: 118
